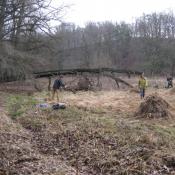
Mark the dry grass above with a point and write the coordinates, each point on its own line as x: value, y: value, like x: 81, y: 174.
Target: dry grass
x: 104, y: 100
x: 98, y: 135
x: 115, y: 101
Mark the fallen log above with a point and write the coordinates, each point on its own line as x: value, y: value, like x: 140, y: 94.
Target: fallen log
x: 108, y: 72
x: 81, y: 71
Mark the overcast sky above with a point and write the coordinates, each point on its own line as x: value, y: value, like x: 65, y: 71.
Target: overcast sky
x: 83, y: 11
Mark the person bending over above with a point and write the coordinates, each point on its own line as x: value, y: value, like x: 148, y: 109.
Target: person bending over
x: 58, y: 83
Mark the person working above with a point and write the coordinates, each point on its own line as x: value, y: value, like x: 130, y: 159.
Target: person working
x: 58, y: 83
x: 169, y: 82
x: 142, y: 85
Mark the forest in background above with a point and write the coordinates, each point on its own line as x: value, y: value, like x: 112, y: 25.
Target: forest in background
x: 29, y: 42
x: 98, y: 125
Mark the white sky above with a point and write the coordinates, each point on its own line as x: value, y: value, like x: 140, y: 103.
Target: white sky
x: 83, y: 11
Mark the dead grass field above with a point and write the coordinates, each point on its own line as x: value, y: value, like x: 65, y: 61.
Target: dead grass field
x: 119, y: 101
x: 97, y: 134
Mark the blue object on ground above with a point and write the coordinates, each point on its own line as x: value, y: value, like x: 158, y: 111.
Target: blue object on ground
x: 43, y: 105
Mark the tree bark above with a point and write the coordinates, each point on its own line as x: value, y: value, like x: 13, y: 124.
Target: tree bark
x: 2, y: 17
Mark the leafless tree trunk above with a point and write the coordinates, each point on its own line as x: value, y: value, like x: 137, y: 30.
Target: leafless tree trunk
x: 2, y: 17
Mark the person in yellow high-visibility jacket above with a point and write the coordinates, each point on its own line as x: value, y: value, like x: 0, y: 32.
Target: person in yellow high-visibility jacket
x: 143, y: 83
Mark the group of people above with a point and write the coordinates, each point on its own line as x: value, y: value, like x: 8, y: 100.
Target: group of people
x: 143, y: 84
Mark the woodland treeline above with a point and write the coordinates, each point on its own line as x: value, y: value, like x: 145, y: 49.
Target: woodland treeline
x: 29, y: 42
x: 146, y: 45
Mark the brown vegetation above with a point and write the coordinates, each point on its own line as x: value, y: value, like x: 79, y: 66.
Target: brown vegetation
x: 95, y: 134
x: 154, y: 107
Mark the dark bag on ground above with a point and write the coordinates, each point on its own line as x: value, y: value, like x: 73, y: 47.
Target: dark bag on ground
x: 58, y: 106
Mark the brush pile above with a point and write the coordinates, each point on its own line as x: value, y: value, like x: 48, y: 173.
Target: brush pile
x: 83, y: 84
x: 153, y: 107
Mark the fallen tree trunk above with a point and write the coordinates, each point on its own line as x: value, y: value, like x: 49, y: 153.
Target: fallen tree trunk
x: 81, y: 71
x: 107, y: 72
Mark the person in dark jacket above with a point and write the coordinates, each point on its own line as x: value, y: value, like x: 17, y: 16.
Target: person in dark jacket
x: 57, y: 85
x: 170, y: 82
